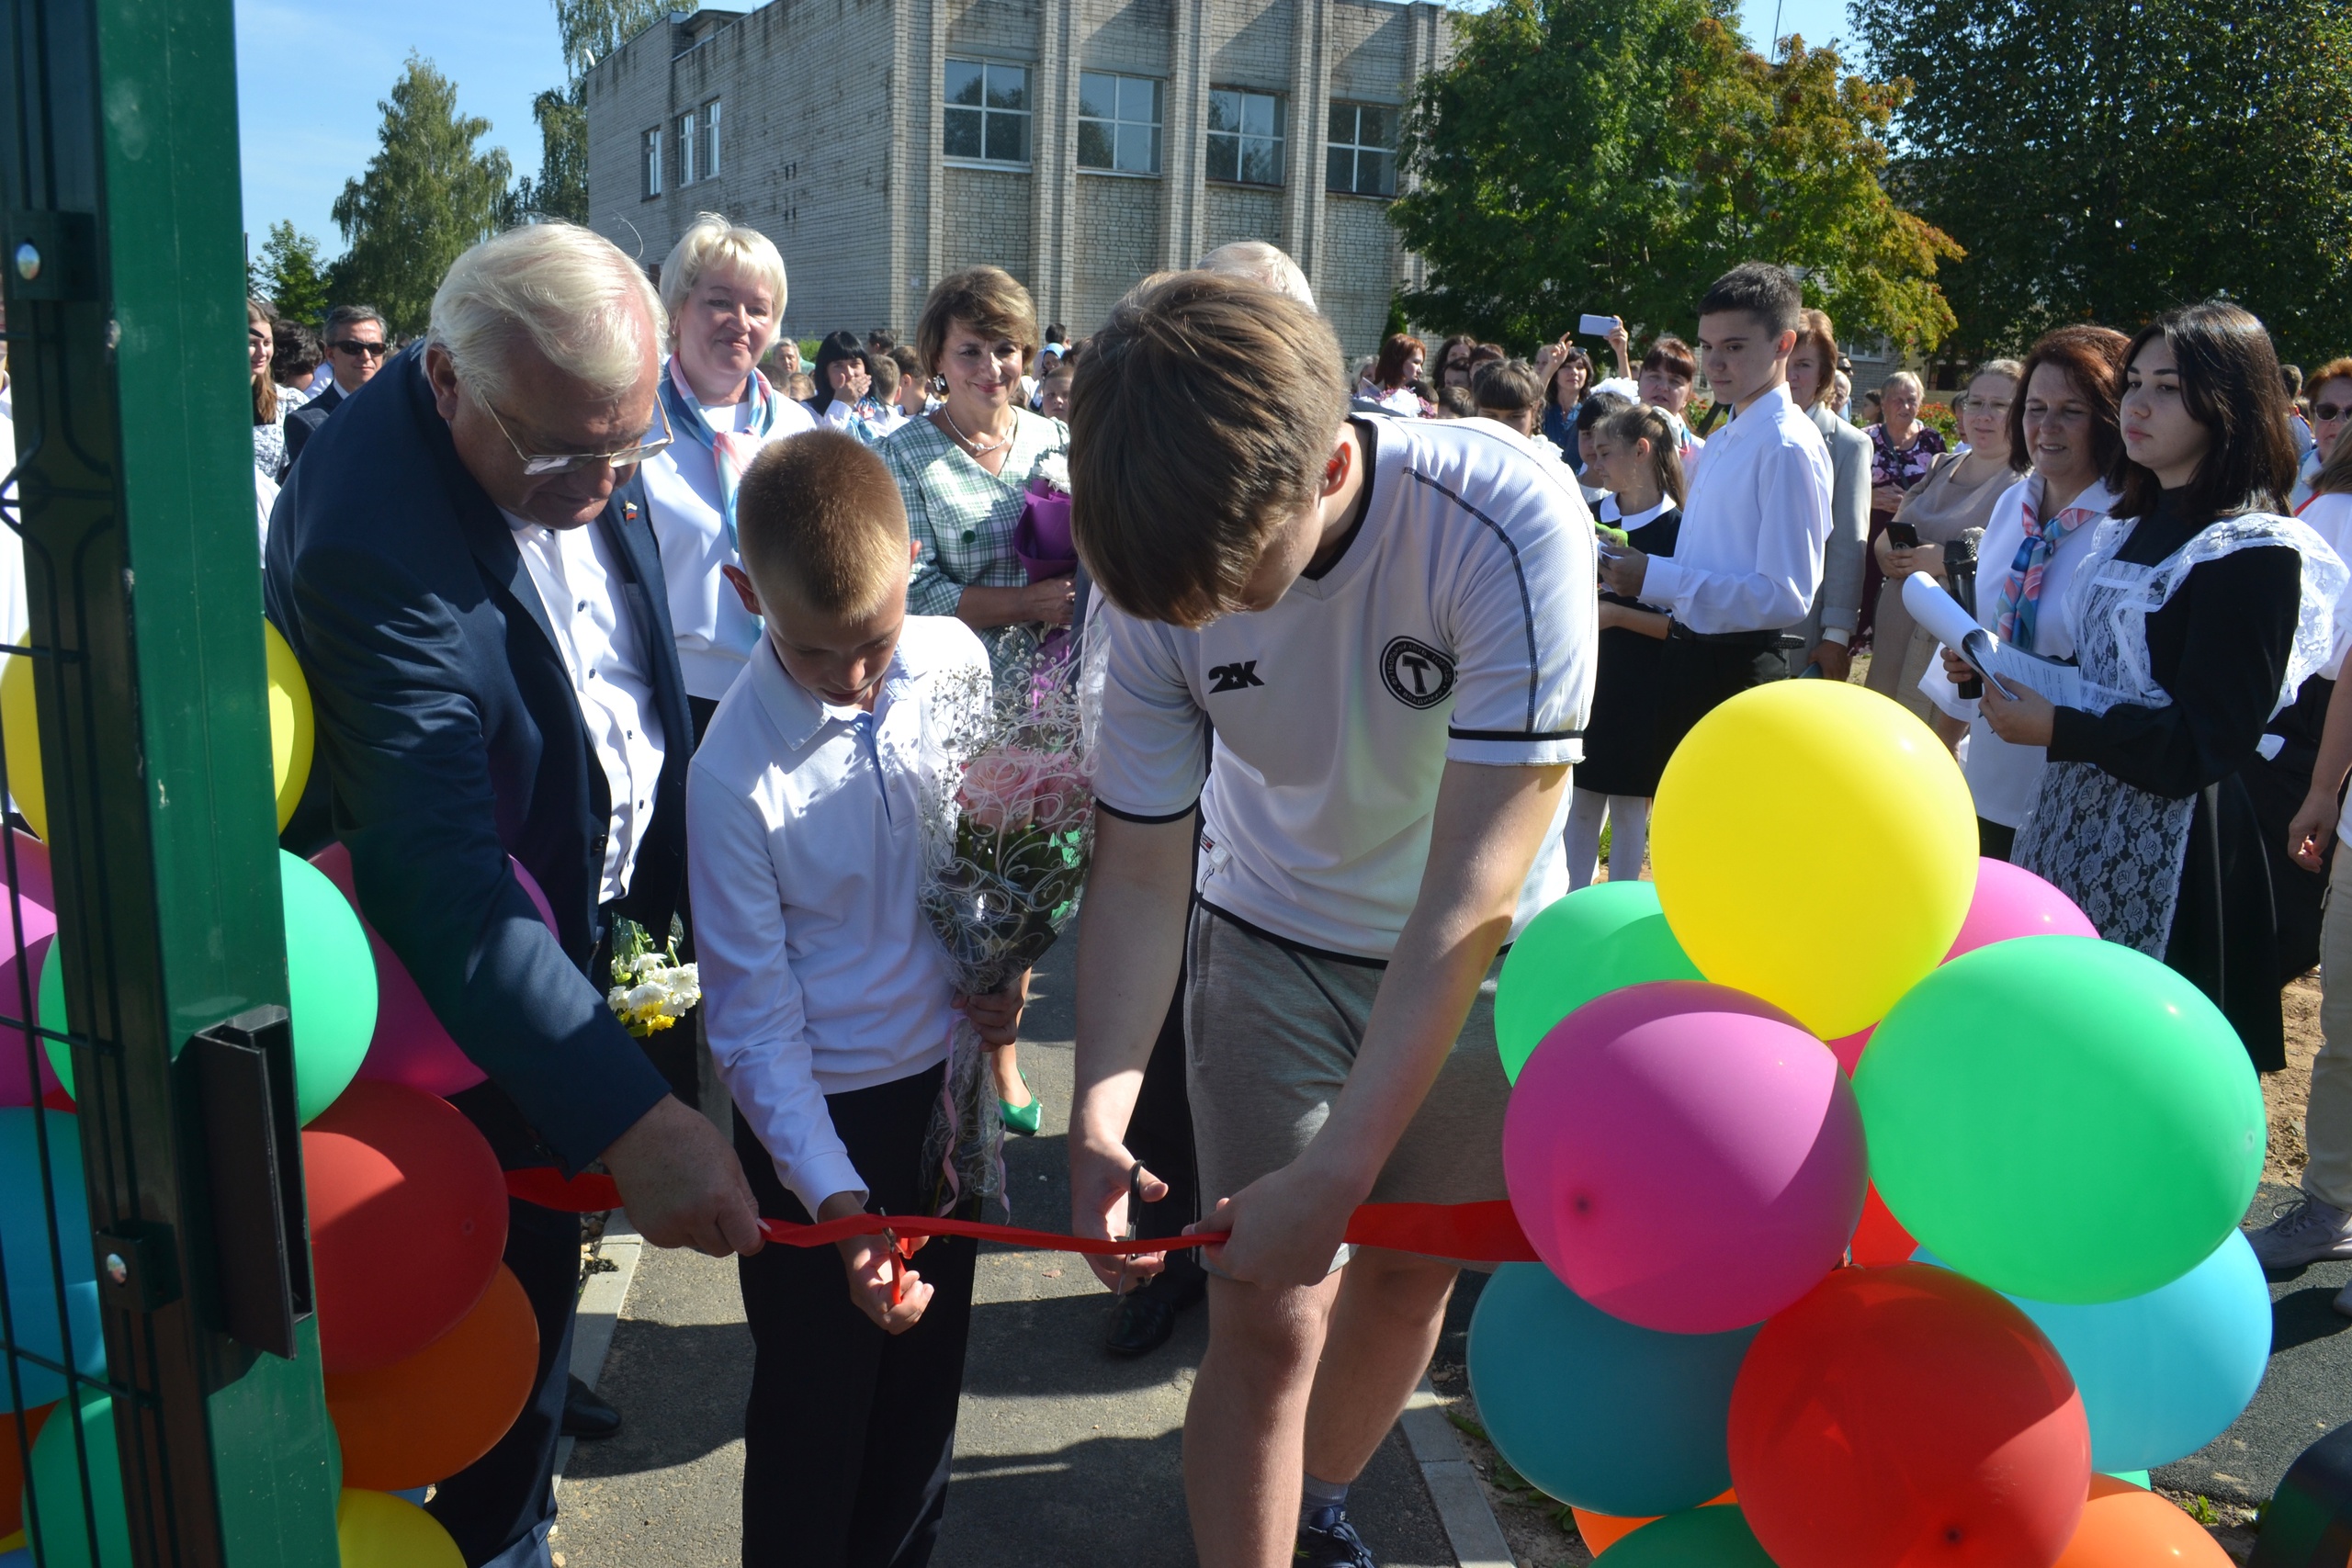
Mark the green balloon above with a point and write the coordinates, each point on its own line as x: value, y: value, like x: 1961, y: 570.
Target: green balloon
x: 1717, y: 1537
x: 1595, y: 941
x: 54, y: 1484
x: 2062, y: 1119
x: 331, y: 985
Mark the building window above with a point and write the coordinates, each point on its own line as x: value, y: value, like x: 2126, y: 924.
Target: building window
x: 711, y: 140
x: 686, y: 147
x: 653, y: 163
x: 988, y: 111
x: 1245, y: 136
x: 1118, y: 122
x: 1361, y: 157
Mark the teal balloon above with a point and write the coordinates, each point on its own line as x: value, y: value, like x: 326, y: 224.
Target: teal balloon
x: 62, y: 1538
x: 78, y: 1337
x: 330, y: 989
x: 2164, y: 1374
x: 1596, y: 940
x: 2136, y: 1477
x: 1703, y: 1538
x: 2062, y: 1119
x: 1598, y: 1412
x: 331, y: 977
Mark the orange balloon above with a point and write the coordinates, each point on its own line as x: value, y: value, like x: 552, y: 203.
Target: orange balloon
x: 12, y: 1457
x: 425, y: 1418
x: 2124, y: 1527
x: 1601, y: 1531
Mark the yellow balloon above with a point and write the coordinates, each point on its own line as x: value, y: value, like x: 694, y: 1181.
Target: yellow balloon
x: 20, y: 732
x: 1814, y: 845
x: 291, y: 737
x: 291, y: 734
x: 376, y: 1530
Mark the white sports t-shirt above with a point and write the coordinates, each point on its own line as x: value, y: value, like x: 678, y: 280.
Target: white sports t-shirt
x: 1458, y: 624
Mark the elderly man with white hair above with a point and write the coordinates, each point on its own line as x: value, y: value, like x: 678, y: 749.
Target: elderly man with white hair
x: 464, y: 565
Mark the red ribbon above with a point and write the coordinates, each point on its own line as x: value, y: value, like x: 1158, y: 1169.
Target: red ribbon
x: 1475, y: 1233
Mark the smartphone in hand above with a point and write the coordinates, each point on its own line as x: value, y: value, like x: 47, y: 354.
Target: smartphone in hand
x: 1592, y: 325
x: 1905, y: 535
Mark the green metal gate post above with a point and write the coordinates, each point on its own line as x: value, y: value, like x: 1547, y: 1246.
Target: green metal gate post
x: 124, y: 278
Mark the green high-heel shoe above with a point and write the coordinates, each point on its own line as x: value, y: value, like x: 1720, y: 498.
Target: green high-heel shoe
x: 1021, y: 1120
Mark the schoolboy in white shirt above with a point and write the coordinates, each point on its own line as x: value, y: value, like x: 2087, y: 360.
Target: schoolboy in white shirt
x: 1749, y: 560
x: 829, y: 1006
x: 1387, y: 626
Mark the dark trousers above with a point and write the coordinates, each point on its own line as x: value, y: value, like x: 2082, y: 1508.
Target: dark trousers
x: 1696, y: 676
x: 1160, y: 1134
x: 849, y: 1430
x: 498, y: 1508
x: 1995, y: 841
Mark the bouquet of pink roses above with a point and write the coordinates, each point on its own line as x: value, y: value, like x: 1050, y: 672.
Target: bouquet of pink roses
x: 1011, y: 828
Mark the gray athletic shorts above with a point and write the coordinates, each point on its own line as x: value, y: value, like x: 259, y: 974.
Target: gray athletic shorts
x: 1270, y: 1033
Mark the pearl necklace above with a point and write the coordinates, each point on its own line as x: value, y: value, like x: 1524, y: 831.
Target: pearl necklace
x: 978, y: 450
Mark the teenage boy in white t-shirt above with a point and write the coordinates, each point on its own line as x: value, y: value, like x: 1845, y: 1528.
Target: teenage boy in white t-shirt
x: 1747, y: 561
x: 1387, y: 627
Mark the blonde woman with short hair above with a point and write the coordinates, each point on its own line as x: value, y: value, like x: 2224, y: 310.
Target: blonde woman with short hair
x: 723, y: 286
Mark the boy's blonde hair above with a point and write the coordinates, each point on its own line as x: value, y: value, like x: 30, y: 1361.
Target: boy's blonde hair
x: 1202, y: 415
x: 818, y: 523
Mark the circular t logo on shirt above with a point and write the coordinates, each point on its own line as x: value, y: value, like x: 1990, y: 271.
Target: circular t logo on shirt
x: 1415, y: 674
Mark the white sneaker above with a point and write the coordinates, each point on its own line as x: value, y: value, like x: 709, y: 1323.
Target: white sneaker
x: 2304, y: 1231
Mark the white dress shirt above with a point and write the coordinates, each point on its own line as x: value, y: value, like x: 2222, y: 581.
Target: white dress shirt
x: 820, y: 973
x: 2003, y: 776
x: 1748, y: 558
x: 714, y: 633
x: 612, y: 679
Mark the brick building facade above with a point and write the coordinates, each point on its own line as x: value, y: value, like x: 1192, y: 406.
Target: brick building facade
x: 1079, y: 144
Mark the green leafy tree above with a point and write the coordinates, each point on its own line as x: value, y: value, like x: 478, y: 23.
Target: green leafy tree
x: 561, y: 189
x: 427, y: 196
x: 2104, y: 160
x: 588, y: 29
x: 287, y: 274
x: 592, y: 29
x: 1617, y: 159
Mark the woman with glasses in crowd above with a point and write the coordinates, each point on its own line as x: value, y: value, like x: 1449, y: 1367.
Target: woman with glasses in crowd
x: 2197, y: 613
x: 1950, y: 508
x: 2330, y: 391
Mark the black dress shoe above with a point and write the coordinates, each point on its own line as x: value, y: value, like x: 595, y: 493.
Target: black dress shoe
x: 586, y: 1416
x: 1141, y: 1322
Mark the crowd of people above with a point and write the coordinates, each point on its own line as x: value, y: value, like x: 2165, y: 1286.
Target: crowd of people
x: 601, y: 573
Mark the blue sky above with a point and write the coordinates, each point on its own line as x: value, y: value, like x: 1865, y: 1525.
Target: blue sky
x: 309, y: 73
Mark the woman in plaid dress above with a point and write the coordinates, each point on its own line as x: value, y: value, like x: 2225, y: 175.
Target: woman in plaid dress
x: 963, y: 470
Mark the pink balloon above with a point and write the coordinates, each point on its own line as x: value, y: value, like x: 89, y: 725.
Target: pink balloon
x: 21, y: 951
x: 2011, y: 901
x: 410, y: 1046
x: 1685, y: 1156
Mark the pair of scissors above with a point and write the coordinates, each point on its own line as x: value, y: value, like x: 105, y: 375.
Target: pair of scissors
x: 1135, y: 1223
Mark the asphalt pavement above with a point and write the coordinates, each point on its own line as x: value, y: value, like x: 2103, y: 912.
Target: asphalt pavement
x: 1063, y: 1455
x: 2306, y: 1392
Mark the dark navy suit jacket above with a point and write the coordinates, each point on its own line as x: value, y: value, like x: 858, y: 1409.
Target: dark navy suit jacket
x: 304, y: 422
x: 451, y: 739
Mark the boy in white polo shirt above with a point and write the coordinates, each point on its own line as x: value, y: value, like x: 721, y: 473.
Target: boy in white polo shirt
x: 828, y: 1004
x: 1387, y: 627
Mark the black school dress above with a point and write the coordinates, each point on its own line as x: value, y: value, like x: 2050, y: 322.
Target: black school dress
x: 2220, y: 648
x: 1620, y: 736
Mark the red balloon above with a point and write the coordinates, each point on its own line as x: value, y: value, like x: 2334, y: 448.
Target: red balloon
x: 427, y: 1417
x: 408, y: 1221
x: 1880, y: 1240
x: 1903, y: 1416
